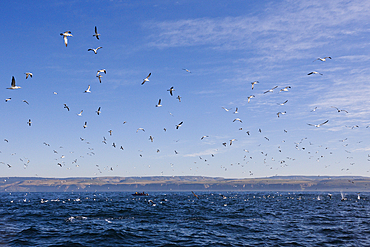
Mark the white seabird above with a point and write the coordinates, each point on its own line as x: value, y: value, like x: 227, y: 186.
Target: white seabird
x: 101, y: 71
x: 321, y: 59
x: 146, y: 79
x: 179, y: 98
x: 29, y: 122
x: 28, y: 74
x: 140, y: 129
x: 95, y: 50
x: 65, y: 35
x: 179, y: 125
x: 270, y: 90
x: 283, y: 103
x: 285, y: 89
x: 159, y: 103
x: 314, y: 72
x: 280, y: 113
x: 254, y: 83
x: 12, y: 85
x: 65, y: 106
x: 170, y: 90
x: 79, y: 114
x: 237, y: 119
x: 318, y: 125
x: 85, y: 125
x: 98, y: 111
x: 187, y: 70
x: 88, y: 90
x: 96, y: 33
x: 99, y: 77
x: 250, y: 97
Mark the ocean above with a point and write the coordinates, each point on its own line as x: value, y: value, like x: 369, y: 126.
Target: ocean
x: 181, y: 219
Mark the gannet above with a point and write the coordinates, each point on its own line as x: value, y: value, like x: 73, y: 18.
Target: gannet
x: 80, y: 114
x: 88, y: 90
x: 314, y: 72
x: 85, y: 125
x: 95, y: 50
x: 12, y: 85
x: 203, y: 137
x: 151, y: 138
x: 250, y: 97
x: 65, y: 106
x: 65, y: 35
x: 285, y: 89
x: 282, y: 113
x: 99, y: 77
x: 96, y: 33
x: 283, y: 103
x: 146, y: 79
x: 28, y: 74
x: 253, y: 83
x: 321, y: 59
x: 29, y: 122
x: 179, y: 125
x: 98, y: 111
x: 101, y: 71
x: 170, y: 90
x: 179, y: 98
x: 140, y: 129
x: 231, y: 141
x: 270, y: 90
x: 159, y: 103
x: 237, y: 119
x: 318, y: 125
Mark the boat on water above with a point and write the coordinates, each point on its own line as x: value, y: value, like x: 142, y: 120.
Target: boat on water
x: 140, y: 194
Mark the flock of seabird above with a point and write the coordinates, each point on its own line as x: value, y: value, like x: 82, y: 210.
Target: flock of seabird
x: 171, y: 90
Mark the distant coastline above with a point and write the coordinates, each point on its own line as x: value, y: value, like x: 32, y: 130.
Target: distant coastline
x: 185, y: 183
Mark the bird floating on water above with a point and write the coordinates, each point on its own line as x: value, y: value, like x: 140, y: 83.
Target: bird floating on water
x: 65, y: 35
x: 96, y: 33
x: 12, y: 85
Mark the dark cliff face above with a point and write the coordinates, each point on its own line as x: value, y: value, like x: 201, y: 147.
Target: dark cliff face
x: 292, y: 183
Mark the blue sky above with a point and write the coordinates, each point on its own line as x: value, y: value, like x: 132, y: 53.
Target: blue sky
x: 226, y: 45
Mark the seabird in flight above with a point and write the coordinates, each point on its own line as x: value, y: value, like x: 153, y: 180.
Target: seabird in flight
x: 339, y: 109
x: 179, y: 98
x: 65, y: 35
x: 321, y: 59
x: 101, y: 71
x: 12, y: 85
x: 187, y: 70
x: 99, y: 77
x: 140, y: 129
x: 28, y: 74
x: 98, y: 111
x: 178, y: 125
x: 95, y: 50
x: 270, y: 90
x: 25, y: 101
x: 146, y: 79
x: 96, y: 33
x: 285, y: 89
x: 314, y: 72
x: 250, y: 97
x: 29, y: 122
x: 170, y: 90
x: 65, y: 106
x: 85, y: 125
x: 159, y: 103
x: 88, y: 90
x: 254, y: 83
x: 318, y: 125
x: 283, y: 103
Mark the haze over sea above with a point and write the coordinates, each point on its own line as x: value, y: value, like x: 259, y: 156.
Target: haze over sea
x: 170, y: 219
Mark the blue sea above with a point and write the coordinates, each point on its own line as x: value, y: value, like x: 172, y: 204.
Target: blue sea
x: 181, y: 219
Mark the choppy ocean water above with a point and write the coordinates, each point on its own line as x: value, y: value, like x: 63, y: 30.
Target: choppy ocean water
x: 180, y: 219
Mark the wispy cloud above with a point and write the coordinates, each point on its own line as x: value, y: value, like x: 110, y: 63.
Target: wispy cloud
x: 292, y: 27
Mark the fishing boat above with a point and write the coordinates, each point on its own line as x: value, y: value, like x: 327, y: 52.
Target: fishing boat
x: 140, y: 194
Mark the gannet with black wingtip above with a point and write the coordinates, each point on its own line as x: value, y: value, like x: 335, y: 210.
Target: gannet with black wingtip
x: 159, y: 103
x: 65, y: 106
x: 203, y: 137
x: 25, y: 101
x: 250, y: 97
x: 85, y: 125
x: 339, y: 109
x: 99, y: 77
x: 254, y: 83
x: 179, y: 125
x: 96, y: 33
x: 101, y: 71
x: 270, y: 90
x: 237, y: 119
x: 280, y: 113
x: 179, y: 98
x: 12, y: 85
x: 282, y: 103
x: 187, y: 70
x: 314, y: 72
x: 171, y: 90
x: 226, y: 109
x: 98, y: 111
x: 28, y: 74
x: 231, y: 141
x: 79, y: 114
x: 140, y: 129
x: 318, y: 125
x: 95, y: 50
x: 88, y: 89
x: 65, y: 35
x: 321, y: 59
x: 146, y: 79
x: 285, y: 89
x: 29, y: 122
